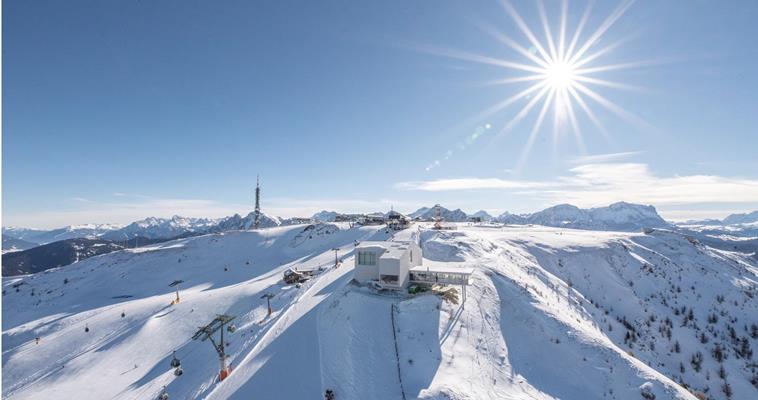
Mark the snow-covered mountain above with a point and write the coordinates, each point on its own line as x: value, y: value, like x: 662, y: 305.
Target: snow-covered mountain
x: 21, y: 233
x: 511, y: 219
x: 615, y: 217
x: 484, y: 215
x: 735, y: 219
x: 150, y: 228
x: 325, y: 216
x: 63, y: 246
x: 160, y: 228
x: 732, y: 219
x: 237, y: 222
x: 427, y: 213
x: 626, y: 216
x: 618, y: 216
x: 550, y: 313
x: 68, y: 232
x: 11, y: 244
x: 743, y: 225
x: 562, y: 215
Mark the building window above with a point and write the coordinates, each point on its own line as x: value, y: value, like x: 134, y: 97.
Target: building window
x: 366, y: 258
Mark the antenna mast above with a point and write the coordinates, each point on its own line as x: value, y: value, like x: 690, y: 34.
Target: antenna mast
x: 257, y: 222
x: 437, y: 217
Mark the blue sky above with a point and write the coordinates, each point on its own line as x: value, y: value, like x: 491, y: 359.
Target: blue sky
x: 115, y: 111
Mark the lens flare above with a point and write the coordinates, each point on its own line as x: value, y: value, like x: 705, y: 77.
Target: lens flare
x: 558, y: 71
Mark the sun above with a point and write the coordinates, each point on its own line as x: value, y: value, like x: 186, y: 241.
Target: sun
x: 561, y: 73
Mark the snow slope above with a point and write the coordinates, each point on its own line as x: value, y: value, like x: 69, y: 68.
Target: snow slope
x: 594, y: 287
x: 551, y: 313
x: 129, y: 357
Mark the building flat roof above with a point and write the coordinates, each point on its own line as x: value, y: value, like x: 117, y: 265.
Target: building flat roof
x: 381, y: 243
x: 391, y: 249
x: 443, y: 269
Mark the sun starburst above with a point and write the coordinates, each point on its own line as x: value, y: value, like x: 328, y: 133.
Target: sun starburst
x: 560, y: 75
x: 562, y: 72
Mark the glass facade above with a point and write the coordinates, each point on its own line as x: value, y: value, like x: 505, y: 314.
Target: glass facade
x: 366, y: 258
x: 447, y: 278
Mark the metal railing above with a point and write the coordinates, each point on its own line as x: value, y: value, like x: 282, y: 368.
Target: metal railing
x: 443, y: 278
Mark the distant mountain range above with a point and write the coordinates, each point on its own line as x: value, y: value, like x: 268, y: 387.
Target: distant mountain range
x: 159, y: 228
x: 63, y: 246
x: 733, y: 219
x: 56, y: 254
x: 68, y: 251
x: 742, y: 225
x: 456, y: 215
x: 148, y: 228
x: 108, y: 237
x: 39, y: 236
x: 11, y: 244
x: 617, y: 216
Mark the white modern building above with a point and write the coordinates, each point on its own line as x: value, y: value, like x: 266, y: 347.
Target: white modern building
x: 386, y: 262
x: 396, y: 264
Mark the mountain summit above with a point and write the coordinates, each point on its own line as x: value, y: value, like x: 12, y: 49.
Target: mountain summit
x: 456, y: 215
x: 619, y: 216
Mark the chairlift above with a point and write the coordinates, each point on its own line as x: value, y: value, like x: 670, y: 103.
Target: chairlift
x: 164, y: 394
x: 178, y: 371
x: 231, y: 328
x: 175, y: 363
